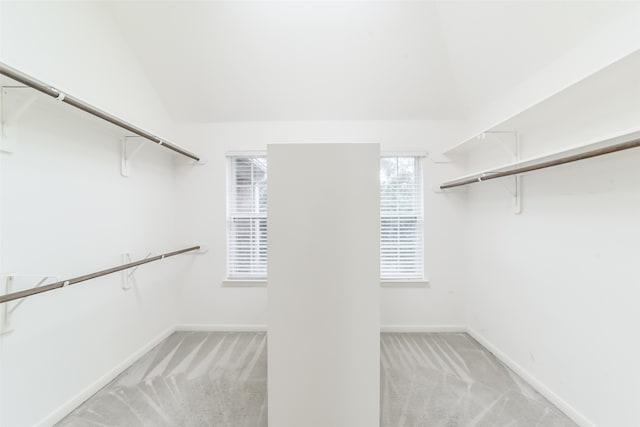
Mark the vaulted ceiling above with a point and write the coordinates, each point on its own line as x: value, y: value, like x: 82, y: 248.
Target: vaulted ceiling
x: 357, y: 60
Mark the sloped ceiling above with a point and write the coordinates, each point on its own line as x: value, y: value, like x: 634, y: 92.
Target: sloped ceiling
x: 360, y: 60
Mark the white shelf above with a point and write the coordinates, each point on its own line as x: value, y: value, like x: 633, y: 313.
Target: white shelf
x: 632, y: 135
x: 569, y: 101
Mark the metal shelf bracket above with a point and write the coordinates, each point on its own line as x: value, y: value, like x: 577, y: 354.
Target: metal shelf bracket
x: 128, y: 279
x: 10, y: 116
x: 7, y: 310
x: 439, y: 158
x: 130, y: 147
x: 513, y: 186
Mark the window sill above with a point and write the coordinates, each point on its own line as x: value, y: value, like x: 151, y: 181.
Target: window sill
x: 245, y: 283
x: 424, y: 283
x: 262, y: 283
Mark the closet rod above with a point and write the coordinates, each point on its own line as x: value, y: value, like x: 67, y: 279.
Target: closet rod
x: 63, y: 283
x: 546, y: 164
x: 25, y: 79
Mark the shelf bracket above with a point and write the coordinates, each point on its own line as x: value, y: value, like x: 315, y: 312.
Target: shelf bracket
x: 7, y: 309
x: 439, y: 158
x: 128, y: 278
x: 130, y: 147
x: 512, y: 185
x: 514, y: 188
x: 9, y: 119
x: 517, y: 180
x: 510, y: 146
x: 127, y: 275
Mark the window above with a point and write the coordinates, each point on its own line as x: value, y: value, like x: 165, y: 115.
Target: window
x: 401, y: 219
x: 247, y: 218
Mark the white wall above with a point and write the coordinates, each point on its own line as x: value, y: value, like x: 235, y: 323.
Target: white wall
x: 66, y: 210
x: 201, y: 195
x: 324, y: 285
x: 555, y: 289
x: 607, y: 45
x: 76, y: 47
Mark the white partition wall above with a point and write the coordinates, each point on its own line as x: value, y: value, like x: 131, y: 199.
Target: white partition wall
x: 323, y: 286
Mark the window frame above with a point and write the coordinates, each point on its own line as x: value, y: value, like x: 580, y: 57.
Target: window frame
x: 238, y: 281
x: 418, y: 280
x: 234, y: 276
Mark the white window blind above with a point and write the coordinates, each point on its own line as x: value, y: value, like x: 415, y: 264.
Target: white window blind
x: 401, y: 219
x: 247, y: 217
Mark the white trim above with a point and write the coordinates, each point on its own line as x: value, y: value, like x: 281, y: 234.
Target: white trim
x: 390, y: 283
x: 245, y: 283
x: 259, y: 153
x: 261, y: 328
x: 246, y: 154
x: 71, y: 404
x: 203, y: 327
x: 423, y: 328
x: 534, y: 382
x: 404, y: 154
x: 262, y: 283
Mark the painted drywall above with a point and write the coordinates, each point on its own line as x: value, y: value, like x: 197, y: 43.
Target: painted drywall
x: 89, y: 59
x: 555, y: 289
x: 65, y: 210
x: 270, y: 61
x: 323, y: 286
x: 593, y: 52
x: 201, y: 216
x: 381, y: 60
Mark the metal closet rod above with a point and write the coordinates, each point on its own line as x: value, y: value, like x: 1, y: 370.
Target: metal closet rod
x: 63, y: 283
x: 27, y: 80
x: 547, y: 164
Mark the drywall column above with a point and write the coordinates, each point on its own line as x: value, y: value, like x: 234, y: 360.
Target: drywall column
x: 323, y: 286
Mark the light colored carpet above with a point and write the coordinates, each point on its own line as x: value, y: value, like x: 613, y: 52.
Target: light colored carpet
x: 219, y: 379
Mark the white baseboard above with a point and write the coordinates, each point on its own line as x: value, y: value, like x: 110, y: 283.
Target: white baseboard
x: 66, y: 408
x: 423, y: 328
x: 263, y: 328
x: 221, y: 328
x: 534, y: 382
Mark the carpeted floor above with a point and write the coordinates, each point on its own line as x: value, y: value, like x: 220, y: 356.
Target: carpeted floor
x: 219, y: 379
